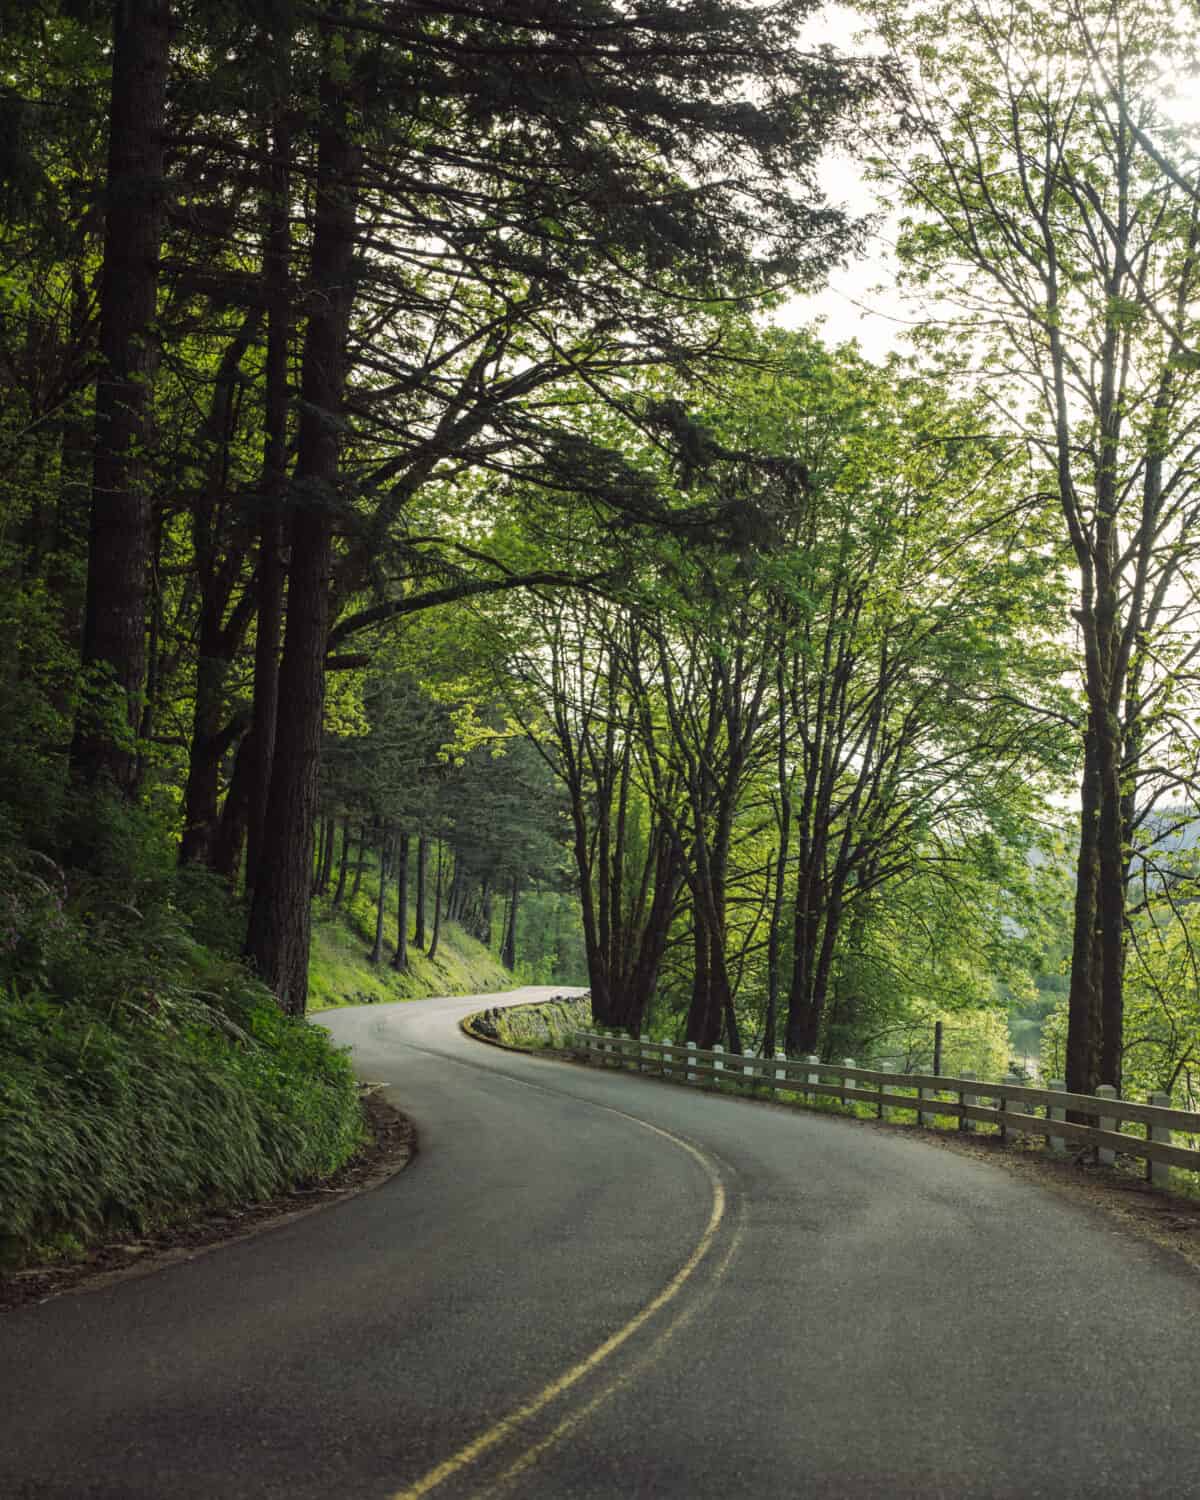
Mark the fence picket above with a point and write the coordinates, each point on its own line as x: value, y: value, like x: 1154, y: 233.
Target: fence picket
x: 1158, y: 1172
x: 1057, y: 1143
x: 1017, y: 1107
x: 965, y: 1123
x: 1105, y: 1156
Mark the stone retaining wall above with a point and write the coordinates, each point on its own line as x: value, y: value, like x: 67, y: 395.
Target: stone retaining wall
x: 548, y: 1023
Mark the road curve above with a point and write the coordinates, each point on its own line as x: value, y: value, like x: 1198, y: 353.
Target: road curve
x: 591, y: 1284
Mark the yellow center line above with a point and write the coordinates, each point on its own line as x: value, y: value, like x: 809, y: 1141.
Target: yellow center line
x: 572, y: 1420
x: 508, y: 1425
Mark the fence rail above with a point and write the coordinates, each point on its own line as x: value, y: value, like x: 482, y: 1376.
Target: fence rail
x: 844, y: 1081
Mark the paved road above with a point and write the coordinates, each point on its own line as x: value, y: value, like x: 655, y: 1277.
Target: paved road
x: 594, y: 1285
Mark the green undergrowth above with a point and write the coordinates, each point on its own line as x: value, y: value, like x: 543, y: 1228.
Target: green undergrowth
x: 110, y: 1124
x: 341, y: 973
x: 145, y: 1076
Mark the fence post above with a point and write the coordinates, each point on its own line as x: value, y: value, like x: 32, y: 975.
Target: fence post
x: 1003, y: 1105
x: 812, y: 1077
x: 691, y: 1075
x: 880, y: 1086
x: 964, y: 1124
x: 748, y: 1072
x: 718, y: 1064
x: 848, y: 1083
x: 1159, y: 1172
x: 1057, y: 1143
x: 644, y: 1053
x: 780, y: 1073
x: 1105, y: 1155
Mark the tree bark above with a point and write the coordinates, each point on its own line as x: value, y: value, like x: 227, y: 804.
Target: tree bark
x: 218, y: 560
x: 344, y: 862
x: 385, y: 843
x: 1083, y: 1006
x: 509, y: 955
x: 484, y: 932
x: 400, y: 961
x: 271, y: 579
x: 422, y: 869
x: 230, y: 837
x: 119, y: 534
x: 325, y: 870
x: 437, y: 905
x: 280, y: 919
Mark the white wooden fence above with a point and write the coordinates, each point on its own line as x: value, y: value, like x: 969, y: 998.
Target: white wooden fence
x: 933, y: 1095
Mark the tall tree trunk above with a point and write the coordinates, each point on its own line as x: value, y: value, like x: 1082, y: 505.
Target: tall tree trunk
x: 385, y: 849
x: 119, y: 536
x: 400, y: 961
x: 217, y: 568
x: 202, y: 791
x: 437, y: 905
x: 325, y: 870
x: 343, y: 862
x: 320, y: 834
x: 280, y: 918
x: 704, y: 1011
x: 820, y: 988
x: 509, y: 956
x: 1083, y: 1006
x: 362, y: 860
x: 64, y: 580
x: 154, y: 645
x: 775, y: 930
x: 654, y: 932
x: 227, y: 845
x: 484, y: 932
x: 1111, y: 907
x: 456, y: 898
x: 271, y: 579
x: 422, y: 870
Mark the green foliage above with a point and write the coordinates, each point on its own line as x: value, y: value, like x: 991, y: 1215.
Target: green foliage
x: 340, y: 973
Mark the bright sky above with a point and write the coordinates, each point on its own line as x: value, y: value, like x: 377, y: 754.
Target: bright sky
x: 859, y: 302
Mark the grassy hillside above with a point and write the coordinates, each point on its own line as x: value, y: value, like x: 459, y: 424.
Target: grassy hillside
x: 145, y: 1074
x: 340, y: 972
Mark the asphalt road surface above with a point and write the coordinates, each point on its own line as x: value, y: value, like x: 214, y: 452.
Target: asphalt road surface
x: 592, y: 1284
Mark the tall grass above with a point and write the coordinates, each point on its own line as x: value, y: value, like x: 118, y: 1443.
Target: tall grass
x: 144, y: 1073
x: 109, y: 1124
